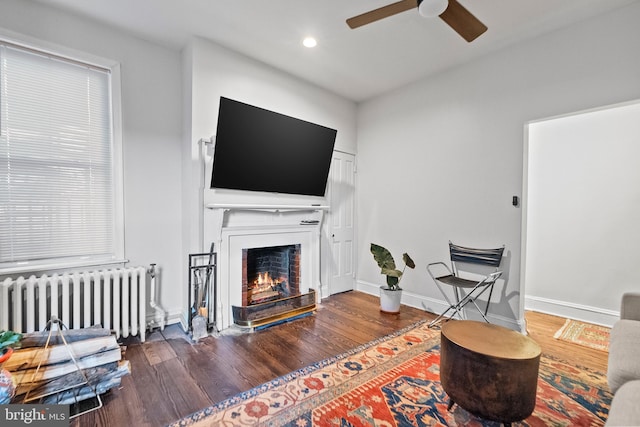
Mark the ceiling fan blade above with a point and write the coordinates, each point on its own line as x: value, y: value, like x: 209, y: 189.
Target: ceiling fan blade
x: 462, y: 21
x: 382, y: 12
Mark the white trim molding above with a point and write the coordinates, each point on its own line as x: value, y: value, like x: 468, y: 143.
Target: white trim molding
x: 438, y: 306
x: 585, y: 313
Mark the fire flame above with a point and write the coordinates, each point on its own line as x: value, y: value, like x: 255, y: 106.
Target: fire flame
x: 265, y: 282
x: 265, y: 288
x: 265, y: 279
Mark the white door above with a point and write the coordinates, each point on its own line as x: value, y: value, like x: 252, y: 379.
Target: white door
x: 341, y: 222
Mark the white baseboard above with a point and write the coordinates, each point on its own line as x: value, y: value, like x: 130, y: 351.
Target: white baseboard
x: 438, y: 306
x: 585, y: 313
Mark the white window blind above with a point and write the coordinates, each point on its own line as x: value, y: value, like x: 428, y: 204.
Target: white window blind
x: 56, y: 160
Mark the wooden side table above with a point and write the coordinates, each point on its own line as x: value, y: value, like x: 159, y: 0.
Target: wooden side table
x: 489, y: 370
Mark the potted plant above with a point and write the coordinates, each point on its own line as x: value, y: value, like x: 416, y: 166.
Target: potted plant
x: 390, y: 295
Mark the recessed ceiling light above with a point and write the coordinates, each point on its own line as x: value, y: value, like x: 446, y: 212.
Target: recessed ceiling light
x: 309, y: 42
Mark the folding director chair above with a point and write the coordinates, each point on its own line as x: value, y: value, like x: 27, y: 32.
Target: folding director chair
x: 466, y: 290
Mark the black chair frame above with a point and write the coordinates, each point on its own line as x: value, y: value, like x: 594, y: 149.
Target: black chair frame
x: 466, y: 290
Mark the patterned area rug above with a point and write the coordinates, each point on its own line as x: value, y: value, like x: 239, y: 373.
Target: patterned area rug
x: 394, y: 381
x: 584, y: 334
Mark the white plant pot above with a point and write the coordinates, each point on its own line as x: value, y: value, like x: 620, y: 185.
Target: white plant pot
x: 390, y: 300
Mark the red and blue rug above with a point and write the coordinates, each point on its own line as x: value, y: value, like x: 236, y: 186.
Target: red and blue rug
x: 395, y: 381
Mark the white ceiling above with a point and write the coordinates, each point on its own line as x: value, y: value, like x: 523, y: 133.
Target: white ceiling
x: 357, y: 64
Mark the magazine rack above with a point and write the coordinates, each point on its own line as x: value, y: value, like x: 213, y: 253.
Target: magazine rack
x: 75, y: 390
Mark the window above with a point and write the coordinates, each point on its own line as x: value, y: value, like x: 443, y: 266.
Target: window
x: 58, y: 200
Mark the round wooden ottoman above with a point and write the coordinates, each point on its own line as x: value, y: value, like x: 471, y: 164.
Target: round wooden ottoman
x: 489, y: 370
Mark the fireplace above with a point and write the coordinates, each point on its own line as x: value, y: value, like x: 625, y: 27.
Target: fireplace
x: 243, y: 235
x: 271, y: 286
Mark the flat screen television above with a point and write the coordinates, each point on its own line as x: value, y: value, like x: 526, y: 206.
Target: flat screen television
x: 261, y: 150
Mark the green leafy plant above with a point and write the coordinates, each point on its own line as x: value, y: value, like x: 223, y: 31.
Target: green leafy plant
x: 388, y: 266
x: 9, y: 339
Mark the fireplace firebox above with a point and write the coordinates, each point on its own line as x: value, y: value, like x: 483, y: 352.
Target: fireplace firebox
x: 270, y: 273
x: 271, y: 286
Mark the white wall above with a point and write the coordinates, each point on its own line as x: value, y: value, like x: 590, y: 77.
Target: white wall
x: 442, y: 158
x: 582, y: 186
x: 151, y: 115
x: 216, y: 71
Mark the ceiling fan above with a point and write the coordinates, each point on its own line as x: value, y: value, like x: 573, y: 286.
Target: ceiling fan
x: 450, y: 11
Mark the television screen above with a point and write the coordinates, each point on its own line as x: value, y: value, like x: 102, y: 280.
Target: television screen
x: 261, y: 150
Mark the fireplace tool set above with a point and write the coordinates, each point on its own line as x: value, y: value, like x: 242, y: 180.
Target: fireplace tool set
x: 202, y: 293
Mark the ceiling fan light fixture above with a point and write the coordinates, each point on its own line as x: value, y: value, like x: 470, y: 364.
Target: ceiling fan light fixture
x: 432, y: 8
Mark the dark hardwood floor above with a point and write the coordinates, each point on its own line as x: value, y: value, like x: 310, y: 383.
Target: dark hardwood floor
x: 171, y: 377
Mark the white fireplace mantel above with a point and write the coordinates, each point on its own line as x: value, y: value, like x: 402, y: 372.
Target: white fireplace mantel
x: 265, y: 207
x: 236, y: 226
